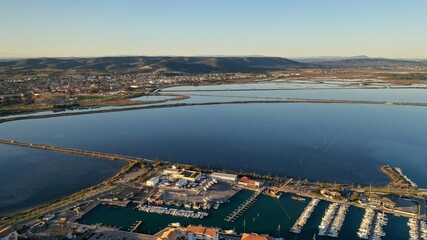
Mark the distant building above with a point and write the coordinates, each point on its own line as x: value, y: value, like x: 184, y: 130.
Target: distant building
x: 170, y: 171
x: 181, y: 182
x: 224, y: 176
x: 330, y: 194
x: 244, y: 181
x: 153, y: 181
x: 201, y: 233
x: 182, y: 174
x: 254, y: 236
x: 8, y: 234
x: 381, y: 201
x: 188, y: 175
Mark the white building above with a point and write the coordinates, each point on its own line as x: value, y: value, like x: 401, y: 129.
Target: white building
x: 224, y: 176
x: 153, y: 181
x: 8, y: 234
x: 181, y: 182
x: 171, y: 171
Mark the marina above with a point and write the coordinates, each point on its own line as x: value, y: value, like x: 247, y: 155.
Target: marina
x: 172, y: 211
x: 338, y: 221
x: 305, y: 215
x: 372, y: 225
x: 417, y: 229
x: 411, y: 183
x: 381, y: 221
x: 284, y: 212
x: 327, y: 219
x: 366, y: 225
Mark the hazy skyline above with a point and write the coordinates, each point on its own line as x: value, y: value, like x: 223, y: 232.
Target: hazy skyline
x: 48, y: 28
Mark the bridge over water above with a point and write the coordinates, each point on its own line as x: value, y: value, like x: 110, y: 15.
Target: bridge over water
x: 109, y: 156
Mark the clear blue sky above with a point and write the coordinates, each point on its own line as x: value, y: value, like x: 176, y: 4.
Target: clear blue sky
x: 286, y: 28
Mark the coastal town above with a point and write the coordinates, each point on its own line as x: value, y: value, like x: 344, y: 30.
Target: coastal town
x: 80, y: 89
x: 28, y: 91
x: 189, y: 192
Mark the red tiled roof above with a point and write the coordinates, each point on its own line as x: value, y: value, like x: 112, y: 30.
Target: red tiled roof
x: 200, y: 230
x: 254, y: 236
x: 247, y: 181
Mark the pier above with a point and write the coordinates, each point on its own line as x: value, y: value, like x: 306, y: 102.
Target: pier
x: 243, y: 207
x: 372, y: 225
x: 86, y: 210
x: 338, y: 221
x: 398, y: 178
x: 417, y: 229
x: 327, y: 219
x: 135, y: 226
x: 305, y: 215
x: 333, y: 220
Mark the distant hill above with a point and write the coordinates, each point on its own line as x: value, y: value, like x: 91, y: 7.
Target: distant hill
x: 368, y: 63
x: 327, y: 58
x: 130, y: 64
x: 215, y: 64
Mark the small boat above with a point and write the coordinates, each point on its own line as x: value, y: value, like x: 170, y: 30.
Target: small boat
x: 298, y: 198
x: 175, y: 224
x: 230, y: 231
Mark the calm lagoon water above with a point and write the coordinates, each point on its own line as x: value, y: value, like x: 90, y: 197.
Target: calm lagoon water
x: 328, y: 142
x: 390, y: 95
x: 29, y: 177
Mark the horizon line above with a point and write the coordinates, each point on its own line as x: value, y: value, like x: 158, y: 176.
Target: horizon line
x: 362, y: 56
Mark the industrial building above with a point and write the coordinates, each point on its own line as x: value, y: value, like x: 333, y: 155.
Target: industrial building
x: 171, y: 171
x: 182, y: 174
x: 153, y: 181
x: 188, y: 175
x: 224, y: 176
x: 244, y: 181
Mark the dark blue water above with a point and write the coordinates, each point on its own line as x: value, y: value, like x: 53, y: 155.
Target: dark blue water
x: 329, y: 142
x: 29, y: 177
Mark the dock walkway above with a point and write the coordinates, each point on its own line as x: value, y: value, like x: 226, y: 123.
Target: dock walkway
x: 243, y: 207
x: 305, y: 215
x: 135, y: 226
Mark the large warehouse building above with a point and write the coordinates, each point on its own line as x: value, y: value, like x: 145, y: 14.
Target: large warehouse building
x: 224, y: 176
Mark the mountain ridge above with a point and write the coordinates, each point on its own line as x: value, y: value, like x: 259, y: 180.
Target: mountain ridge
x: 193, y: 64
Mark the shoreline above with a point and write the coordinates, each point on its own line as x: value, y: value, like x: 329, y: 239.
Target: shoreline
x: 288, y: 101
x: 127, y: 103
x: 30, y: 214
